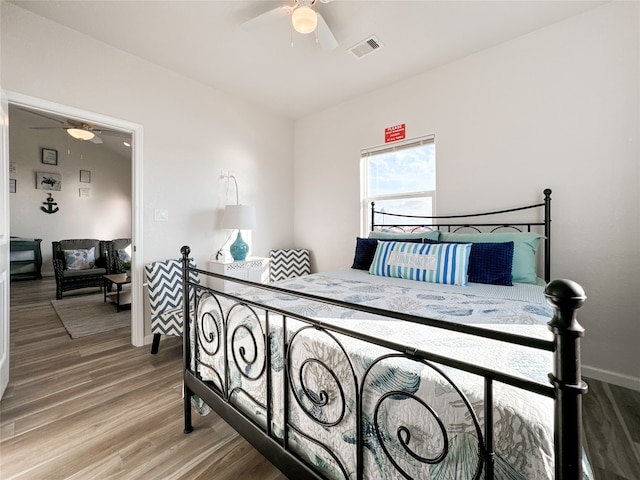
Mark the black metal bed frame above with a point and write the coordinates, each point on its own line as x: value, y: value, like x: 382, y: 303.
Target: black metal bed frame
x: 437, y: 223
x: 566, y: 386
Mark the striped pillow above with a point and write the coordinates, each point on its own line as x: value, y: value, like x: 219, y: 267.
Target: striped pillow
x: 435, y: 263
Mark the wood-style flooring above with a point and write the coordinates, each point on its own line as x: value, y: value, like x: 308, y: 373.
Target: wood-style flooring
x: 96, y: 407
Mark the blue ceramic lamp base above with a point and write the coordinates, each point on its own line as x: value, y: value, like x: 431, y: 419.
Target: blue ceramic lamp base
x: 239, y: 249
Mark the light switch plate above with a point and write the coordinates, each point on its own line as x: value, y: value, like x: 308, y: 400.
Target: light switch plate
x: 161, y: 215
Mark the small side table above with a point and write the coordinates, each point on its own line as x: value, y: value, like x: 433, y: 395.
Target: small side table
x: 119, y: 297
x: 253, y: 269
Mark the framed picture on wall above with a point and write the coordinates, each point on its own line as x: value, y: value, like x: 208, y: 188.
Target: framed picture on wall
x: 48, y: 181
x: 85, y: 176
x: 49, y: 156
x: 12, y: 185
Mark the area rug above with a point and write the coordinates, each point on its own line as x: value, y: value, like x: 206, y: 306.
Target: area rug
x: 85, y: 315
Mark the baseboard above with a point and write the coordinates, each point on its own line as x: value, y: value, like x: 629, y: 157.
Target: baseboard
x: 611, y: 377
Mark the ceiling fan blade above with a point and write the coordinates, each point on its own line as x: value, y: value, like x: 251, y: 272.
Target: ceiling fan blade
x: 324, y: 35
x: 33, y: 112
x: 96, y: 139
x: 266, y: 17
x: 113, y: 133
x: 49, y: 128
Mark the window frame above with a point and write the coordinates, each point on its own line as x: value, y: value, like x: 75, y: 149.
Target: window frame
x: 366, y: 199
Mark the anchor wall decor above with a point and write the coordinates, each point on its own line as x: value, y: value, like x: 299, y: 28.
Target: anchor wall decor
x: 50, y: 204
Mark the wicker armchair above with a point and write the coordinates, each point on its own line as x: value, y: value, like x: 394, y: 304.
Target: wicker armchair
x: 115, y: 260
x: 72, y: 279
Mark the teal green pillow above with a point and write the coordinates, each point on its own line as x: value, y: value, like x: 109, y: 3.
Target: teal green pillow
x: 525, y: 245
x: 390, y: 235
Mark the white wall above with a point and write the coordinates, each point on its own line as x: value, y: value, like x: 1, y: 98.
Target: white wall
x: 105, y: 214
x: 191, y: 134
x: 558, y: 108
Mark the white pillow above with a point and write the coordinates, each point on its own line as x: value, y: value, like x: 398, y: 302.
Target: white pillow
x: 436, y: 263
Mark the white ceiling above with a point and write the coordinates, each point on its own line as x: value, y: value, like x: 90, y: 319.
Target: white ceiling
x: 35, y: 121
x: 288, y: 72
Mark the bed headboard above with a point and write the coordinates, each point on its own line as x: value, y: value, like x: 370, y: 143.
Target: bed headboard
x: 473, y: 221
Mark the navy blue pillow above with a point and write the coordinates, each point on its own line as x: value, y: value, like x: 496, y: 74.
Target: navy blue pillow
x: 366, y: 249
x: 491, y: 263
x: 488, y: 262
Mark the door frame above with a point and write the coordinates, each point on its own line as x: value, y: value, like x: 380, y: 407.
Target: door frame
x: 4, y: 244
x: 137, y: 276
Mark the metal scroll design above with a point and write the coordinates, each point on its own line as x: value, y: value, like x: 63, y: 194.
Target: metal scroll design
x: 210, y: 329
x: 401, y: 442
x: 247, y: 342
x: 321, y: 387
x: 233, y: 336
x: 209, y: 334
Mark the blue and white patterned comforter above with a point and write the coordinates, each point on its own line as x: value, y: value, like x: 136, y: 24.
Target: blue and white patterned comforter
x: 324, y: 417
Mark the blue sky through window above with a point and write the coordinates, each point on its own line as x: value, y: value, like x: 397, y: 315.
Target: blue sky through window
x: 402, y: 182
x: 402, y: 171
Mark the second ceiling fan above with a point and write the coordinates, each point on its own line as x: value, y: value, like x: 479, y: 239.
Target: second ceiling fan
x: 76, y: 129
x: 305, y: 19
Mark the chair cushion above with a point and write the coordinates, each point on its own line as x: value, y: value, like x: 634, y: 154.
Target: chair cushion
x: 90, y: 272
x: 81, y: 259
x: 124, y: 254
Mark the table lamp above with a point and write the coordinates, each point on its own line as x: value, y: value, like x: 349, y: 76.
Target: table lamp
x: 240, y: 217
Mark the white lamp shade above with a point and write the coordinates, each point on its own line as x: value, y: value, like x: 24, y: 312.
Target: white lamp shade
x: 80, y: 133
x: 239, y: 217
x: 304, y: 20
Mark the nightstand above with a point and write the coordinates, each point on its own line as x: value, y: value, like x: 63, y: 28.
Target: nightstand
x: 25, y: 258
x: 253, y: 269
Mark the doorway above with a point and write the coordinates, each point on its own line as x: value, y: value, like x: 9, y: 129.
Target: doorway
x: 55, y: 110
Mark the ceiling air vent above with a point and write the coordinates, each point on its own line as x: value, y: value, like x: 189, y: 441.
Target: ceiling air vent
x: 366, y: 47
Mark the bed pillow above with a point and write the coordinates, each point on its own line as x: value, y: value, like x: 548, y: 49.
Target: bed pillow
x: 491, y: 263
x: 389, y: 235
x: 81, y: 259
x: 366, y: 249
x: 425, y: 262
x: 525, y: 245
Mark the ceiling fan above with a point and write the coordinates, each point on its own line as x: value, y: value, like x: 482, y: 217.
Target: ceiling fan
x: 76, y: 129
x: 305, y: 19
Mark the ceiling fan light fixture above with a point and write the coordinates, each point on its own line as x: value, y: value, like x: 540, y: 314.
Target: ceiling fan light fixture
x: 304, y: 20
x: 80, y: 133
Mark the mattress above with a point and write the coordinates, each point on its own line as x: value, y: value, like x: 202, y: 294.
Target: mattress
x: 420, y: 418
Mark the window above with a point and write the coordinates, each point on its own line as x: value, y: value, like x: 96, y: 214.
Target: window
x: 400, y: 179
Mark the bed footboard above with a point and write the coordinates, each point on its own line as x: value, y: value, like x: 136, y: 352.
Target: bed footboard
x: 294, y: 388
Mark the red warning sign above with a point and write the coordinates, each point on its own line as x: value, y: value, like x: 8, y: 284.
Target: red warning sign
x: 392, y: 134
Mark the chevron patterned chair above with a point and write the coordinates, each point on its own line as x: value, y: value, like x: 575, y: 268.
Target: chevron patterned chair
x: 164, y: 283
x: 288, y: 263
